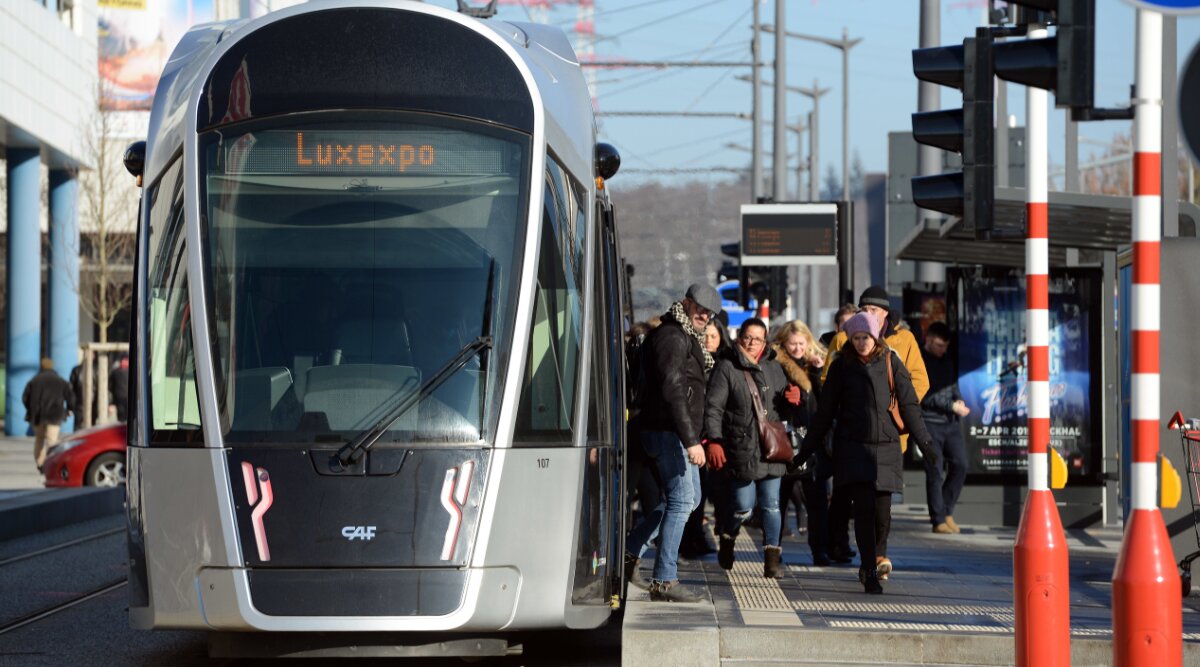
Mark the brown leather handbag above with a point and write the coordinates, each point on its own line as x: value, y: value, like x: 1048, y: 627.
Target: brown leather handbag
x: 773, y: 438
x: 893, y: 402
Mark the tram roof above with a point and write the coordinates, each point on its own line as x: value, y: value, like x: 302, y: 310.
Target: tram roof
x: 542, y: 50
x: 1084, y: 221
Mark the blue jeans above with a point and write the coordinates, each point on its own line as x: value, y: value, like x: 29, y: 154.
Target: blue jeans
x: 681, y: 488
x: 947, y: 446
x: 741, y: 502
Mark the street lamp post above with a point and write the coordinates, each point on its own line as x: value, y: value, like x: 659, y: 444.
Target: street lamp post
x: 814, y: 121
x: 845, y: 44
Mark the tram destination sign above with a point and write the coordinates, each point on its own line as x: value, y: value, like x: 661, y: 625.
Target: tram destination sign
x: 368, y: 153
x: 789, y: 234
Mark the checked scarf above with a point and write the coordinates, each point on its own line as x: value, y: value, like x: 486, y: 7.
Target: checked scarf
x: 678, y: 314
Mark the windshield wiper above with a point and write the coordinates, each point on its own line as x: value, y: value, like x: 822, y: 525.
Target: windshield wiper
x: 353, y: 451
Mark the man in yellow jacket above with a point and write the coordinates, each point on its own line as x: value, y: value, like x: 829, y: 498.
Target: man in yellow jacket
x: 875, y: 303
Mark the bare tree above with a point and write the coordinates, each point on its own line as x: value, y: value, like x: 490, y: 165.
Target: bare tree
x: 108, y: 217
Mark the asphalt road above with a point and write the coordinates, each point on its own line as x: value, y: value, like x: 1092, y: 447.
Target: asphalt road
x: 90, y: 556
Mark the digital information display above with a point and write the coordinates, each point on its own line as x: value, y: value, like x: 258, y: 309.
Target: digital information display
x: 368, y: 153
x: 789, y: 234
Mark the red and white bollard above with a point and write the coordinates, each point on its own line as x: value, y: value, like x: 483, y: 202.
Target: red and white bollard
x: 1147, y: 600
x: 1041, y: 584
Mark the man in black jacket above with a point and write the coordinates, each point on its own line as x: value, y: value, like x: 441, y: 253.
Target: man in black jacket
x: 942, y: 407
x: 670, y: 414
x: 47, y: 400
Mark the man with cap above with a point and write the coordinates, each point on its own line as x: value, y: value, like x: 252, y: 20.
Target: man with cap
x: 876, y: 304
x: 671, y: 417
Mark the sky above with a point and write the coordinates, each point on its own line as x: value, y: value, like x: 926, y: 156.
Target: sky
x: 883, y: 90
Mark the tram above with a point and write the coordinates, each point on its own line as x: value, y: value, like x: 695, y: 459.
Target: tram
x: 378, y: 364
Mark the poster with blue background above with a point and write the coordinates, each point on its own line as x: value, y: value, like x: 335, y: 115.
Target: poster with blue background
x: 990, y: 319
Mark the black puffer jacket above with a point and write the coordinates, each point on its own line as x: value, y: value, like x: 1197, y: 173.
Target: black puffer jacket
x: 47, y: 398
x: 866, y: 444
x: 729, y: 412
x: 673, y: 395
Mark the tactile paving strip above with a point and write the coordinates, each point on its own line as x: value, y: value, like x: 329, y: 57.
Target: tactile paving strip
x: 751, y: 590
x: 917, y: 627
x: 898, y: 608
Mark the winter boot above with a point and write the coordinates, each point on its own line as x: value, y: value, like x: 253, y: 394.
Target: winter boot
x: 772, y: 562
x: 673, y: 591
x: 633, y: 576
x: 725, y: 552
x: 870, y: 580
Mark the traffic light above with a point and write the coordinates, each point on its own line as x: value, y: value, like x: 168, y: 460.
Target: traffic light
x: 969, y: 131
x: 1064, y: 63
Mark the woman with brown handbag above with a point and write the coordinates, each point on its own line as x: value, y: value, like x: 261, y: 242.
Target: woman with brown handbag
x: 859, y: 391
x: 744, y: 404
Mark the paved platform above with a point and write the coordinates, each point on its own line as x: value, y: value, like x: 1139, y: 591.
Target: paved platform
x: 949, y: 602
x: 17, y: 468
x: 27, y: 507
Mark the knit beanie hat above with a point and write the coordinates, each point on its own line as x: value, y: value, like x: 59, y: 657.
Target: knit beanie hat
x: 875, y: 296
x: 860, y: 323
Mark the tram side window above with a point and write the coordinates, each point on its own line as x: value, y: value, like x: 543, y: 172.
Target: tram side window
x: 174, y: 405
x: 548, y: 396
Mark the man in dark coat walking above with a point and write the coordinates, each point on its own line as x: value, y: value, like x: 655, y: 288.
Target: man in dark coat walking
x: 47, y: 400
x: 942, y: 407
x: 670, y: 415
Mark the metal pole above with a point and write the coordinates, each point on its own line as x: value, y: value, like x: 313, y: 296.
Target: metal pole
x: 1170, y: 130
x: 845, y: 115
x: 929, y: 158
x: 1041, y: 596
x: 756, y: 169
x: 1002, y: 160
x: 800, y: 163
x: 814, y: 148
x: 814, y: 193
x: 1146, y: 596
x: 779, y: 166
x: 1071, y: 179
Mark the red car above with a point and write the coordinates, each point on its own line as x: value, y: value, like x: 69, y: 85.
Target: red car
x: 95, y: 457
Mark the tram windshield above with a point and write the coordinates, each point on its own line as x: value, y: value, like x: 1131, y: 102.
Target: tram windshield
x: 349, y: 261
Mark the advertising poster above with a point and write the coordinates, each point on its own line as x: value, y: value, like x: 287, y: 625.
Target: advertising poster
x: 990, y: 320
x: 923, y: 307
x: 135, y: 39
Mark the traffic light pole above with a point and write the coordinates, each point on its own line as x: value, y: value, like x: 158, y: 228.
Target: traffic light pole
x: 1041, y: 582
x: 1147, y: 612
x: 929, y: 158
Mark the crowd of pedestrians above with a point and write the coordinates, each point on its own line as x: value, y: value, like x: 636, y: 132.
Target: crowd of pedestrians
x: 707, y: 411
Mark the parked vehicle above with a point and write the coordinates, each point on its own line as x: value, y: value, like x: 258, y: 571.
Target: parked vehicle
x: 93, y: 457
x: 731, y: 305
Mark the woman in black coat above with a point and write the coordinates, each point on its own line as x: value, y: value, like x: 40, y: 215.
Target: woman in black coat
x: 731, y: 427
x: 866, y: 443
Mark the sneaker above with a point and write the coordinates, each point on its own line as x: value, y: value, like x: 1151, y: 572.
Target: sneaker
x: 673, y: 591
x: 821, y: 560
x: 943, y: 528
x: 633, y: 576
x: 883, y: 565
x: 953, y: 525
